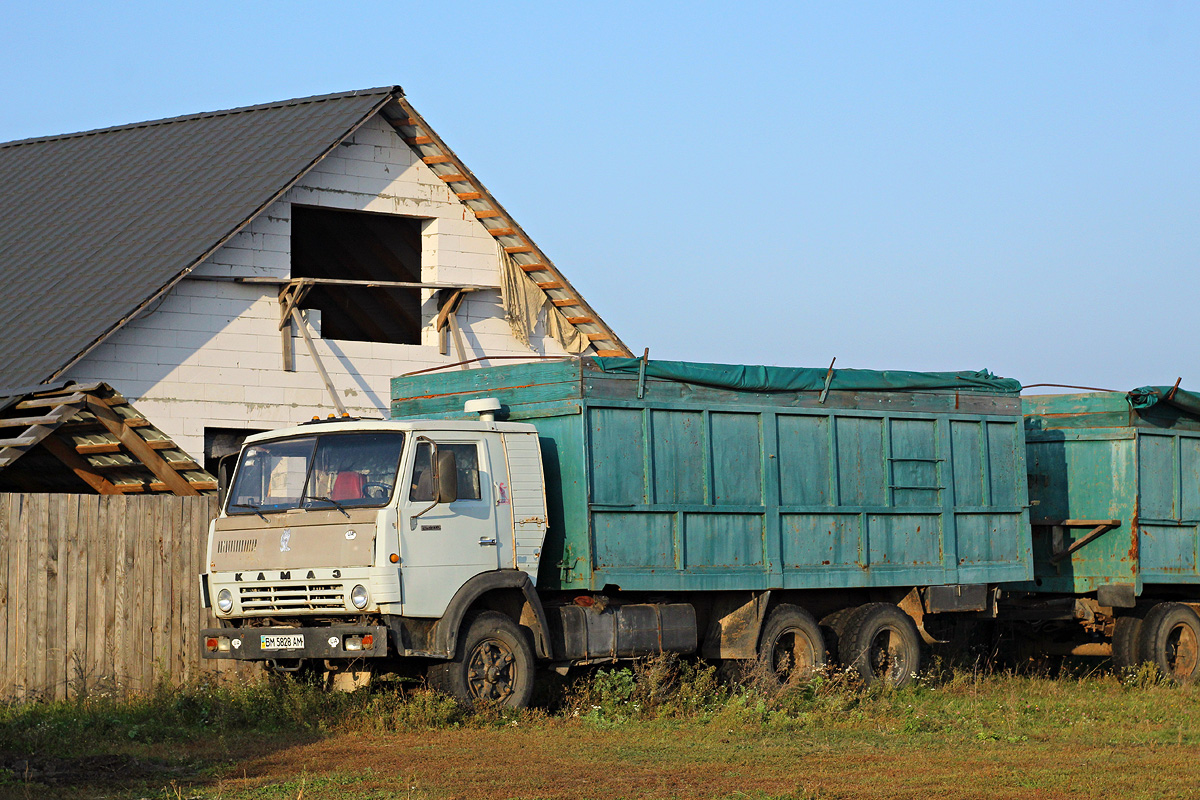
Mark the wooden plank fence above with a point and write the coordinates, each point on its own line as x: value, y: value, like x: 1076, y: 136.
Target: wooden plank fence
x: 99, y: 593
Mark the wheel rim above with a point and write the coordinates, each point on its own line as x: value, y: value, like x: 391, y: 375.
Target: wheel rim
x: 792, y: 655
x: 491, y: 671
x: 886, y: 655
x: 1183, y: 651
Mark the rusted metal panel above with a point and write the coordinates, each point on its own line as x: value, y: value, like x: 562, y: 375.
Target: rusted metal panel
x: 1116, y: 493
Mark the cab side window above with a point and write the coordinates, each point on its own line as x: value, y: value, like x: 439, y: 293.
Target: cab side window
x: 467, y: 459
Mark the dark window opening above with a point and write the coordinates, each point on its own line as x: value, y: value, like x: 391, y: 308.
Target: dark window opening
x: 358, y: 246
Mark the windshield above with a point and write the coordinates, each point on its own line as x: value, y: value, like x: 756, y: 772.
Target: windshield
x: 336, y: 470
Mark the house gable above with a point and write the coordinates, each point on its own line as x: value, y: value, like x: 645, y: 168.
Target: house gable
x: 97, y: 224
x: 209, y: 357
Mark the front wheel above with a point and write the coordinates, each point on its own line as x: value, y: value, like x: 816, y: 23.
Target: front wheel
x: 1170, y: 640
x: 791, y: 647
x: 493, y: 663
x: 882, y: 645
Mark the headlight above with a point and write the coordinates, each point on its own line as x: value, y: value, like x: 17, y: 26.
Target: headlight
x: 358, y: 596
x: 225, y: 601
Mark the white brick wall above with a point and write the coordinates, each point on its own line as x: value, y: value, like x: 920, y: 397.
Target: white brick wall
x: 210, y: 354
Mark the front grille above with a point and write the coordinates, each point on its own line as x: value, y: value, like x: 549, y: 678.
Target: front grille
x: 270, y: 598
x: 237, y: 545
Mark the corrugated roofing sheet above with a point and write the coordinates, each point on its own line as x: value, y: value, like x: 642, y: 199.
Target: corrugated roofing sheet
x: 93, y: 224
x: 88, y: 438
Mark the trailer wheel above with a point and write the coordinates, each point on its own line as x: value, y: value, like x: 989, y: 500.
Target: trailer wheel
x: 792, y: 647
x: 833, y: 627
x: 494, y: 663
x: 1170, y: 640
x: 1127, y: 632
x: 882, y: 645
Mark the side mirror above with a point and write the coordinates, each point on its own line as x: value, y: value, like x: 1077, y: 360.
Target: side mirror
x: 225, y: 468
x: 445, y: 480
x: 447, y: 477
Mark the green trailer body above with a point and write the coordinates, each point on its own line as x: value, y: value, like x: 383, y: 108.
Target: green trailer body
x: 1115, y: 490
x: 661, y: 477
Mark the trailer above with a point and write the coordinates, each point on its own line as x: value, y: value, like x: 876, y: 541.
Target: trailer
x: 1114, y: 483
x: 580, y: 511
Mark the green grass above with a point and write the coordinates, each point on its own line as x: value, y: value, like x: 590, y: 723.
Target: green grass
x: 667, y: 728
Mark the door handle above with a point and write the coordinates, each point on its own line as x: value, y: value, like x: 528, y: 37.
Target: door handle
x: 486, y: 542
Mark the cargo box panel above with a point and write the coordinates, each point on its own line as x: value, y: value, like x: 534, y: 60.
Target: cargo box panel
x: 657, y: 484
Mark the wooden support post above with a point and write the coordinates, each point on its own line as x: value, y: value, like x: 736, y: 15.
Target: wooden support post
x: 447, y: 322
x: 447, y: 300
x: 291, y: 295
x: 289, y: 353
x: 140, y: 448
x: 458, y: 343
x: 312, y: 351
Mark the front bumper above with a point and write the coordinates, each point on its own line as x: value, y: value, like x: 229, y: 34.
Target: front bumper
x: 245, y: 644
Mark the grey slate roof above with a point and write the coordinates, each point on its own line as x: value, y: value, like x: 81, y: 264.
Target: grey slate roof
x: 94, y: 225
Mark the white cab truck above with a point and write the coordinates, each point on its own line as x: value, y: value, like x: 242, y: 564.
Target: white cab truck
x: 618, y: 509
x: 321, y: 522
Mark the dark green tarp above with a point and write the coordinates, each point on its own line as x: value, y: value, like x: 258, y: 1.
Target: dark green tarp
x: 1147, y: 396
x: 811, y: 379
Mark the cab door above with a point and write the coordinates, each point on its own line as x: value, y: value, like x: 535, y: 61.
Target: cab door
x: 448, y: 544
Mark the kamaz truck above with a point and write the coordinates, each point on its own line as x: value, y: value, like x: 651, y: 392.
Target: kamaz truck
x: 586, y: 511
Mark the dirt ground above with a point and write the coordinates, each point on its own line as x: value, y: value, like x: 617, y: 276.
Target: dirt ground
x: 564, y: 761
x: 1001, y: 738
x: 574, y: 763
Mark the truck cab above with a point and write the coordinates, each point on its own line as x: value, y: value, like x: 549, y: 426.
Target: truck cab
x: 346, y: 544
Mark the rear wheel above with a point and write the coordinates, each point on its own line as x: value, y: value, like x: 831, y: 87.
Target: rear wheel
x: 834, y: 628
x: 1125, y: 645
x: 791, y: 647
x: 1170, y: 640
x: 881, y: 644
x: 493, y: 663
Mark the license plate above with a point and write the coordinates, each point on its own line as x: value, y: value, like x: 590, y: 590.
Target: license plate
x: 293, y: 641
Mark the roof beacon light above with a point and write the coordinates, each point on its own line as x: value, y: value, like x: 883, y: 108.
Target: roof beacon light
x: 485, y: 407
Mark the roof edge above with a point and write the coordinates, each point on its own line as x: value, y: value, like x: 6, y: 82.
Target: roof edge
x: 378, y: 90
x: 550, y: 267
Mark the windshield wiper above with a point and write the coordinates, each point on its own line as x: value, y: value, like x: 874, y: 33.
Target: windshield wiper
x: 253, y: 508
x: 330, y: 500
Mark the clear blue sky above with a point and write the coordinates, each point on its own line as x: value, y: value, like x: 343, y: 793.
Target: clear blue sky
x: 901, y: 185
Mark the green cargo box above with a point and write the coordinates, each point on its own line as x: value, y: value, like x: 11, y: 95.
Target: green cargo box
x: 675, y: 476
x: 1115, y: 489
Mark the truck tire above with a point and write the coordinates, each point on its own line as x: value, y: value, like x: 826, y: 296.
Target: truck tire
x: 833, y: 627
x: 493, y: 663
x: 881, y: 645
x: 1126, y: 644
x: 1170, y: 640
x: 792, y: 647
